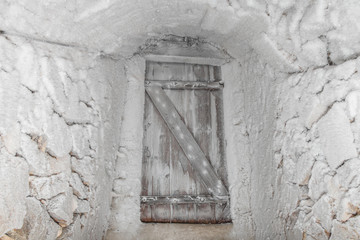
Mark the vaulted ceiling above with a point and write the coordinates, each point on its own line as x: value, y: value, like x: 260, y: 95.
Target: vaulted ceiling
x: 290, y: 35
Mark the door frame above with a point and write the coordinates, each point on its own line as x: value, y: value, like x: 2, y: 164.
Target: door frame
x: 129, y: 162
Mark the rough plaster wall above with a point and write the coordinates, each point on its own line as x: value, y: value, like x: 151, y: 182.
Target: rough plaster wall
x: 237, y: 152
x: 127, y: 184
x: 60, y: 115
x: 249, y: 129
x: 292, y: 163
x: 257, y: 123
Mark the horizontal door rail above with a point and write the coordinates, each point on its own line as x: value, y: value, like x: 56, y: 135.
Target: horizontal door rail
x: 187, y: 59
x: 183, y: 199
x: 185, y: 85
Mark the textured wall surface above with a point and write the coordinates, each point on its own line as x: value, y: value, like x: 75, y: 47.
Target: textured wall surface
x: 71, y: 103
x: 316, y: 152
x: 60, y: 116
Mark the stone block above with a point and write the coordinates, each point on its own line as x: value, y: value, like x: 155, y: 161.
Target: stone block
x: 14, y: 179
x: 28, y: 66
x: 48, y: 187
x: 323, y: 212
x: 94, y: 137
x: 314, y: 53
x: 86, y: 168
x: 303, y: 168
x: 353, y: 105
x: 349, y: 174
x: 73, y: 231
x: 349, y: 205
x: 76, y: 111
x: 61, y: 208
x: 80, y: 140
x: 314, y: 22
x: 313, y: 229
x: 336, y: 137
x: 343, y: 231
x: 343, y: 40
x: 335, y: 191
x: 34, y: 111
x: 40, y: 163
x: 319, y: 180
x: 37, y: 223
x: 11, y: 139
x: 79, y: 189
x: 83, y: 206
x: 58, y: 136
x: 53, y: 83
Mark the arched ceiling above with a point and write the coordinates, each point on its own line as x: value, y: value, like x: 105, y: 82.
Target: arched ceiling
x: 290, y: 35
x: 120, y: 26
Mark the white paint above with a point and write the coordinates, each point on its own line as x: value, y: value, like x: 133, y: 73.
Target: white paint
x: 292, y: 139
x: 126, y: 205
x: 336, y: 137
x: 46, y: 84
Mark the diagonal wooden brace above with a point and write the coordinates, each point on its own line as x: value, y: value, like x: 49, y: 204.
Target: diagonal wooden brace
x: 186, y: 141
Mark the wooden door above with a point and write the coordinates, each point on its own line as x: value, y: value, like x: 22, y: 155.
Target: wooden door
x: 184, y: 178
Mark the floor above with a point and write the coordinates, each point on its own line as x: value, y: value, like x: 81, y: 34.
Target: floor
x: 176, y: 232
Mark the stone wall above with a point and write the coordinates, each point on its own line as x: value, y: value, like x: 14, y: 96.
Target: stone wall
x: 291, y: 107
x: 61, y: 111
x: 316, y: 147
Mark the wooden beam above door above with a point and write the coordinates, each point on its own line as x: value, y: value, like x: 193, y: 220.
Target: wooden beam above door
x: 185, y: 85
x: 186, y: 59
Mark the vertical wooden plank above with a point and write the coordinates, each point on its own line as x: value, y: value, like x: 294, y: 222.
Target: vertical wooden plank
x: 217, y: 73
x: 182, y: 182
x: 189, y: 72
x: 193, y: 107
x: 145, y: 181
x: 156, y: 168
x: 175, y: 72
x: 201, y: 120
x: 201, y: 72
x: 211, y: 74
x: 149, y: 71
x: 217, y: 156
x: 181, y: 176
x: 185, y: 182
x: 199, y: 123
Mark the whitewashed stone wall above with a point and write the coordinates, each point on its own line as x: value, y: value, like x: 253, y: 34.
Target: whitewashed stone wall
x: 316, y: 145
x: 292, y: 93
x: 60, y: 114
x: 293, y: 150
